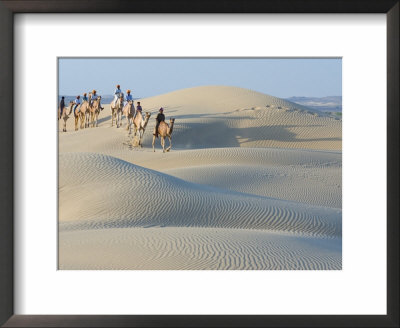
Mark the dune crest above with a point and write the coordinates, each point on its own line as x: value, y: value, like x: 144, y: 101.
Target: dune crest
x: 237, y: 117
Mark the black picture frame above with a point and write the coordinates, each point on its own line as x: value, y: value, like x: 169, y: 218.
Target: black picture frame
x: 10, y: 7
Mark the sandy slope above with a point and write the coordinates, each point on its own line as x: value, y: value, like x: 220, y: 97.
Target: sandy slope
x: 221, y: 199
x: 312, y: 177
x: 196, y: 249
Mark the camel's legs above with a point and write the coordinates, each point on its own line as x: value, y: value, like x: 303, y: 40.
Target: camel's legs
x: 128, y: 124
x: 154, y: 140
x: 141, y: 133
x: 163, y: 144
x: 170, y: 144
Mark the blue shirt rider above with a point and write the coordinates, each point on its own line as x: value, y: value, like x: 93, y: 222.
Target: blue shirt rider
x: 77, y: 102
x: 93, y: 97
x: 128, y: 97
x: 117, y: 94
x: 84, y: 98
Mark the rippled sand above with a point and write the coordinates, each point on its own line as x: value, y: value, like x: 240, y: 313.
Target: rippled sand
x: 244, y: 187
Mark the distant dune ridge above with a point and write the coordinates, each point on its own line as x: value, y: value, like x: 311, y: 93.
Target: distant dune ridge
x: 326, y: 104
x: 252, y: 182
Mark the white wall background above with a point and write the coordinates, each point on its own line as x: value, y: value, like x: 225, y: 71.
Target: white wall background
x: 360, y: 288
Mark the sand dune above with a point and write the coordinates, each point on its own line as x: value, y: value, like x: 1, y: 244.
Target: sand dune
x: 245, y: 186
x: 125, y: 195
x: 195, y: 249
x: 312, y: 177
x: 237, y: 117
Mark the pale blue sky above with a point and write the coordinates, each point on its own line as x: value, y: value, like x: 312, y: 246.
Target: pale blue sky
x: 148, y: 77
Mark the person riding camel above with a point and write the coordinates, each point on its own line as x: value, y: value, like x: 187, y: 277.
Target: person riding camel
x: 93, y: 98
x: 84, y: 98
x: 160, y: 118
x: 128, y: 97
x: 77, y: 102
x: 117, y: 94
x: 138, y: 108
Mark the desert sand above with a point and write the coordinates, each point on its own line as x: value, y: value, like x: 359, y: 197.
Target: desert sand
x: 251, y: 182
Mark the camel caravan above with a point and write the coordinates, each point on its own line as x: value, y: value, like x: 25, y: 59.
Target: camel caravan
x: 89, y: 109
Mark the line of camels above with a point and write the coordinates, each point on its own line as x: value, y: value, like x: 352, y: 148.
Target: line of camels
x: 89, y: 112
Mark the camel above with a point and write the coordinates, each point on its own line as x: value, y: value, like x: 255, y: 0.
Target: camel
x: 76, y: 117
x: 140, y: 124
x: 165, y: 131
x: 129, y: 112
x: 65, y: 116
x: 95, y: 111
x: 116, y: 111
x: 84, y: 113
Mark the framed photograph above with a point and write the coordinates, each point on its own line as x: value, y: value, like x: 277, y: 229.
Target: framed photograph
x: 206, y: 164
x: 209, y: 172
